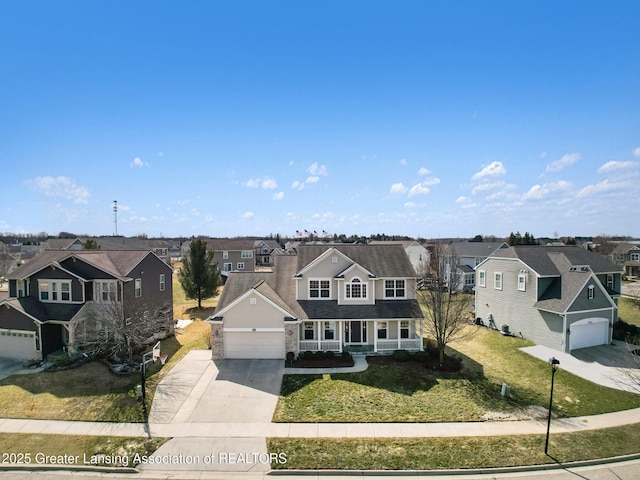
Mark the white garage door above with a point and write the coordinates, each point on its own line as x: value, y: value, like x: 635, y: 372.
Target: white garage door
x: 17, y: 344
x: 589, y: 333
x: 254, y: 344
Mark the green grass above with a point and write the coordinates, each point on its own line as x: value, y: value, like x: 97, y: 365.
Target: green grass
x: 31, y: 449
x: 455, y: 452
x: 399, y: 394
x: 91, y: 392
x: 628, y: 311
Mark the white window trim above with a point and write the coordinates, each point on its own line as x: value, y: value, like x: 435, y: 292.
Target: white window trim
x: 383, y: 326
x: 522, y: 282
x: 97, y: 290
x: 137, y: 286
x: 482, y: 278
x: 246, y: 254
x: 498, y: 280
x: 225, y: 254
x: 162, y: 282
x: 54, y: 286
x: 349, y: 290
x: 240, y: 266
x: 395, y: 289
x: 634, y: 257
x: 591, y: 292
x: 319, y: 297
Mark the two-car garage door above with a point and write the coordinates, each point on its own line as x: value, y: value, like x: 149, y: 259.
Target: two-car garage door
x: 254, y: 343
x: 17, y: 344
x: 589, y: 333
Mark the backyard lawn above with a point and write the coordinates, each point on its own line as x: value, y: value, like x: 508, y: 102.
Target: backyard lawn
x: 399, y: 393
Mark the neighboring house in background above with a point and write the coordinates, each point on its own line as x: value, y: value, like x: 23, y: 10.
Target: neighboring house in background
x: 327, y: 297
x: 52, y: 296
x: 417, y: 253
x: 231, y: 254
x: 158, y: 246
x: 627, y: 256
x: 265, y: 251
x: 563, y: 297
x: 471, y: 254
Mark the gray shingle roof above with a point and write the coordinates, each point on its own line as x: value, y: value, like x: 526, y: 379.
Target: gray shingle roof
x: 473, y: 249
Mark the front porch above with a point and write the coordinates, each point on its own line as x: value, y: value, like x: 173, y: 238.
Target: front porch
x: 360, y: 336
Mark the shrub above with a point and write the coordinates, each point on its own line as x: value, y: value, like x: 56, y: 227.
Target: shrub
x: 422, y: 357
x: 62, y: 361
x: 290, y: 356
x: 345, y: 355
x: 308, y: 355
x: 401, y: 355
x: 329, y: 354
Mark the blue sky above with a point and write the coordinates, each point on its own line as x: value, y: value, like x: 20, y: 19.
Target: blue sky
x: 421, y: 118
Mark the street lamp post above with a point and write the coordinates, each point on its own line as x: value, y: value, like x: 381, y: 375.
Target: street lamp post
x: 553, y: 363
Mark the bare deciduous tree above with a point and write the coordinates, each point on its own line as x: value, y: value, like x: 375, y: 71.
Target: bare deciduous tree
x: 446, y: 311
x: 103, y: 328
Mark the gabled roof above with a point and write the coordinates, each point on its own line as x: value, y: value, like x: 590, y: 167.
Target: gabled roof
x: 117, y: 263
x: 554, y: 260
x: 44, y: 312
x: 380, y: 260
x: 475, y: 249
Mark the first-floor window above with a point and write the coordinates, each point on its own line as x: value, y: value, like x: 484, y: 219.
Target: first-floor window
x: 162, y: 282
x: 382, y: 329
x: 240, y: 265
x: 227, y: 267
x: 404, y: 329
x: 329, y: 330
x: 482, y: 275
x: 308, y: 330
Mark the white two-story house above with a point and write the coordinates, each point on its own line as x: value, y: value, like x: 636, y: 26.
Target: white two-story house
x: 327, y: 297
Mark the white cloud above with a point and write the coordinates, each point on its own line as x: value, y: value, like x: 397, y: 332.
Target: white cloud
x: 537, y: 191
x: 423, y: 171
x: 409, y: 205
x: 316, y: 169
x: 462, y: 199
x: 247, y: 215
x: 312, y: 179
x: 422, y: 188
x: 611, y: 166
x: 600, y: 187
x: 403, y: 162
x: 494, y: 169
x: 278, y: 196
x: 296, y: 185
x: 398, y: 188
x: 137, y: 162
x: 63, y: 187
x: 565, y: 161
x: 543, y: 155
x: 267, y: 183
x: 483, y: 187
x: 636, y: 152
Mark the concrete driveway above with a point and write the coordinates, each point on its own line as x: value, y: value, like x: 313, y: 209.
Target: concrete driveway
x: 11, y: 366
x: 608, y: 365
x: 200, y: 390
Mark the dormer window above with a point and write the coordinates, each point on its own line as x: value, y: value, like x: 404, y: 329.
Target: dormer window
x: 591, y: 292
x: 356, y: 289
x: 54, y: 290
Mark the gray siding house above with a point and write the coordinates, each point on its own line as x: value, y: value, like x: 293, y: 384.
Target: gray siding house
x: 563, y: 297
x: 327, y: 297
x: 55, y: 299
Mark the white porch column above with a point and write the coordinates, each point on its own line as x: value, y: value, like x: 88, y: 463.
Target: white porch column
x: 398, y: 331
x: 340, y: 326
x: 319, y: 335
x: 375, y: 336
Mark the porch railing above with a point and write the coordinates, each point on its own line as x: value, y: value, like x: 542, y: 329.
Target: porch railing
x: 319, y: 345
x: 404, y: 344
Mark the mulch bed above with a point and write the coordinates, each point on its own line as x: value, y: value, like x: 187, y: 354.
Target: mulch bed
x: 451, y: 364
x: 329, y: 362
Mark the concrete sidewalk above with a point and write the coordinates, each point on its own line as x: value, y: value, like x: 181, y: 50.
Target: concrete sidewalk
x: 320, y: 430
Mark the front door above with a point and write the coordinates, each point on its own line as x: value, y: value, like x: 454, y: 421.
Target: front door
x: 355, y: 332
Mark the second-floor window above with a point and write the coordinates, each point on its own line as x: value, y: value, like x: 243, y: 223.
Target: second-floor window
x: 522, y: 282
x: 591, y: 292
x: 105, y: 291
x: 319, y: 289
x: 394, y: 289
x: 356, y: 289
x: 54, y: 290
x: 482, y: 275
x: 635, y: 257
x: 247, y: 254
x: 162, y: 282
x: 610, y: 281
x: 138, y: 287
x: 497, y: 280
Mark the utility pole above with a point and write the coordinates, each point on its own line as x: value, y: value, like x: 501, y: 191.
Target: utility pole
x: 115, y: 217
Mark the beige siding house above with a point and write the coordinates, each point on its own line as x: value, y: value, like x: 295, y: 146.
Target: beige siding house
x: 327, y: 297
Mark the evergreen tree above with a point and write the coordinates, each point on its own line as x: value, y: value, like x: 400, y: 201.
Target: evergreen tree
x: 199, y: 276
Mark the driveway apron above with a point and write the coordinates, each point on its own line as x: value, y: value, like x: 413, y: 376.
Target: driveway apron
x: 199, y: 390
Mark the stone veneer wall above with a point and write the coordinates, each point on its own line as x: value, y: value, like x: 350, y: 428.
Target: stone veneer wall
x: 217, y: 342
x: 291, y: 338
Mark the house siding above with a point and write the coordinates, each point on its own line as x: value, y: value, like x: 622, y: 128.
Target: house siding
x: 55, y: 274
x: 244, y: 314
x: 600, y: 299
x: 12, y: 319
x: 513, y: 307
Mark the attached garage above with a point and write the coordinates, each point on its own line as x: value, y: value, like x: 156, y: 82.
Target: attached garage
x: 589, y: 333
x: 18, y: 344
x: 254, y: 343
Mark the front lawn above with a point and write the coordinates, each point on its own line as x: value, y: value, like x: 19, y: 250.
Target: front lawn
x: 91, y: 392
x: 396, y: 393
x: 453, y: 452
